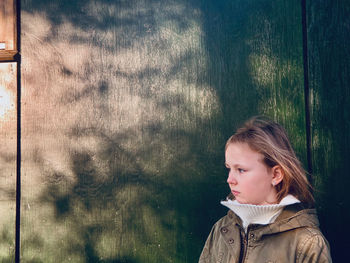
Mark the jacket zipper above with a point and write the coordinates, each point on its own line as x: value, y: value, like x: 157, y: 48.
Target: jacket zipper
x: 245, y: 245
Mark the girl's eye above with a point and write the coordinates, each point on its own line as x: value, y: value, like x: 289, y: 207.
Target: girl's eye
x: 240, y: 170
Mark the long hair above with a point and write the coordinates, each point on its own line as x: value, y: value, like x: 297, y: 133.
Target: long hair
x: 270, y: 139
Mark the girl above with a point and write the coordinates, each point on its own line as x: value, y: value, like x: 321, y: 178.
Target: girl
x: 271, y: 216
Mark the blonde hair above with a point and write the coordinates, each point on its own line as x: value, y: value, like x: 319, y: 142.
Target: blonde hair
x: 270, y: 139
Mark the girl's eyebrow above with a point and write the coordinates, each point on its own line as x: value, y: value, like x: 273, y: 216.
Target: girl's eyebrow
x: 235, y: 165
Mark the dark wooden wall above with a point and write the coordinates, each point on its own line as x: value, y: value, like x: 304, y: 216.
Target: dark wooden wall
x: 329, y: 55
x: 126, y: 107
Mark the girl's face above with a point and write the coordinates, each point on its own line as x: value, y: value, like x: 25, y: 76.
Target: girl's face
x: 250, y: 180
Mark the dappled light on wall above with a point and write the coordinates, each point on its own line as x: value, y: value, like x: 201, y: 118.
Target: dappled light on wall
x: 7, y: 95
x: 126, y: 106
x: 8, y: 154
x: 113, y: 104
x: 6, y: 103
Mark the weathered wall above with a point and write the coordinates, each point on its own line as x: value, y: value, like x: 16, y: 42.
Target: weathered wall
x: 329, y: 56
x: 126, y: 108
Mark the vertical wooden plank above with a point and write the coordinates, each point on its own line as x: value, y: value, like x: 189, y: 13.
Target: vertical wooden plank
x: 126, y: 109
x: 110, y: 130
x: 255, y: 50
x: 329, y: 55
x: 7, y: 160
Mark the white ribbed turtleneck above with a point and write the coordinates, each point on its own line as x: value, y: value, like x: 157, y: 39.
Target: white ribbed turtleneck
x: 259, y: 214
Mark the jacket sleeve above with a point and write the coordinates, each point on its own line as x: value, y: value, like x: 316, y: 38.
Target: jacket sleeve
x: 314, y: 249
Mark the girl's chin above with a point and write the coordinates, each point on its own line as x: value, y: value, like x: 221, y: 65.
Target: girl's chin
x: 245, y: 202
x: 241, y: 201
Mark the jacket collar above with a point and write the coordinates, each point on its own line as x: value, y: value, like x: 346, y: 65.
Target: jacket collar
x: 259, y: 214
x: 292, y: 217
x: 295, y: 216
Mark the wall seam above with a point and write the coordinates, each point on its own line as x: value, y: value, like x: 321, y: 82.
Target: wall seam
x: 306, y: 90
x: 19, y: 129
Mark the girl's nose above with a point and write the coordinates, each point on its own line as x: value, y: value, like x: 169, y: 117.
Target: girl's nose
x: 231, y: 179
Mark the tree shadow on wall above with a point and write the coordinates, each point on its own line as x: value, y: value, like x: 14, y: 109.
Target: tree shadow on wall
x: 143, y: 182
x: 123, y: 198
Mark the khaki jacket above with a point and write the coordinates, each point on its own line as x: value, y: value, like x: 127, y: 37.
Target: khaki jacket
x: 293, y: 237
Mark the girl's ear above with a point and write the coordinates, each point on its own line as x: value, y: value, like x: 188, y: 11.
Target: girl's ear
x: 277, y: 175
